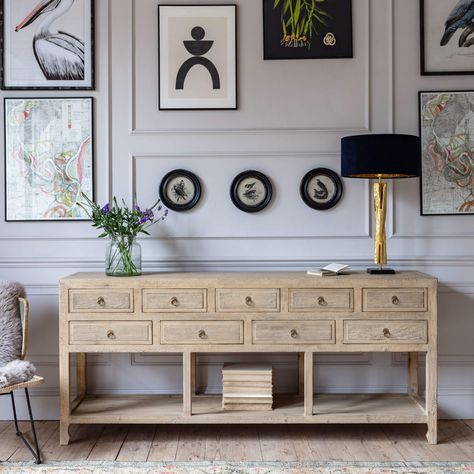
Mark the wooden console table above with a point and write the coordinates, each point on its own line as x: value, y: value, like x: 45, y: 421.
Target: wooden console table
x: 190, y: 313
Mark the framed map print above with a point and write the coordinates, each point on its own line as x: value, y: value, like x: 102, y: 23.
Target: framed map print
x: 447, y: 37
x: 309, y: 29
x: 197, y: 57
x: 48, y: 158
x: 47, y: 44
x: 447, y: 141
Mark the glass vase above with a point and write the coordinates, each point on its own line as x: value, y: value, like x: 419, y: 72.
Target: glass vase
x: 123, y: 257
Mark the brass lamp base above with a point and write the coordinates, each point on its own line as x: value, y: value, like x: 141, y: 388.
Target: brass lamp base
x: 381, y: 271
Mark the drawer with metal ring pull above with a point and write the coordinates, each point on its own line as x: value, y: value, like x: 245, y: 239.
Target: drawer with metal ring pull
x: 293, y: 332
x: 321, y: 300
x: 395, y: 299
x: 175, y: 300
x: 111, y: 332
x: 202, y: 332
x: 385, y: 332
x: 248, y: 301
x: 101, y: 301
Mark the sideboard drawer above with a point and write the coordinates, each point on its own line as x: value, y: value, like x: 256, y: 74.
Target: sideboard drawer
x: 101, y: 301
x: 321, y: 300
x: 385, y: 332
x: 202, y: 332
x: 247, y: 301
x: 293, y: 332
x: 175, y: 301
x: 111, y: 333
x: 395, y: 299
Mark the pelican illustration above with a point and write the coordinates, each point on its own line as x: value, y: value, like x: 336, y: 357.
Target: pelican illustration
x: 60, y: 55
x: 461, y: 16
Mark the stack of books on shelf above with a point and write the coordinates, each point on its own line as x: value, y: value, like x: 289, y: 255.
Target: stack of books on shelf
x: 247, y: 387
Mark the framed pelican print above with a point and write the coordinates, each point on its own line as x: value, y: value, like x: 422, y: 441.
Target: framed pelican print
x: 197, y: 57
x: 447, y: 37
x: 47, y: 44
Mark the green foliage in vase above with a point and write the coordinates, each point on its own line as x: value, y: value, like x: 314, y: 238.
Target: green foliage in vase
x: 300, y: 20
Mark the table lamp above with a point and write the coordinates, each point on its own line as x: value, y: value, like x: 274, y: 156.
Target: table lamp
x: 380, y: 156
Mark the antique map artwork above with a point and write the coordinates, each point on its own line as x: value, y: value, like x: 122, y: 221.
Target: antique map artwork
x: 48, y: 153
x: 447, y: 134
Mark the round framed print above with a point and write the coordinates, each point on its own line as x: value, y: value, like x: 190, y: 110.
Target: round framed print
x: 180, y: 190
x: 251, y: 191
x: 321, y: 189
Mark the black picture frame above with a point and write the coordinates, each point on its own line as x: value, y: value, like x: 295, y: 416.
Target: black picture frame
x: 167, y: 200
x: 423, y: 69
x: 310, y: 201
x: 161, y: 106
x: 265, y: 182
x: 421, y: 135
x: 328, y: 37
x: 45, y: 88
x: 92, y: 136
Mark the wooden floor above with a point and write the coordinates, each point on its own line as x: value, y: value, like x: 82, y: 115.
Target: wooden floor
x: 245, y: 443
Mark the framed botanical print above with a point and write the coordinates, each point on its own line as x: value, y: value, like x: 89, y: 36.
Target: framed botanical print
x: 321, y: 189
x: 197, y: 57
x: 251, y: 191
x: 47, y: 44
x: 447, y: 154
x: 310, y: 29
x: 447, y: 37
x: 180, y: 190
x: 48, y: 158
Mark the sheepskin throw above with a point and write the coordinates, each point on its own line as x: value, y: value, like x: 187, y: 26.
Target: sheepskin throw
x: 16, y: 372
x: 10, y: 322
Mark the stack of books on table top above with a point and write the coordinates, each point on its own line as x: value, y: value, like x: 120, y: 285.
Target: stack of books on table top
x: 247, y: 387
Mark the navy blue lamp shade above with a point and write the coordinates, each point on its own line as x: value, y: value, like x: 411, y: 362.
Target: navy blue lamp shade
x: 385, y: 156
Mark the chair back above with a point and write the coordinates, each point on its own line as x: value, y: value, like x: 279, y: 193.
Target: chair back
x: 24, y: 310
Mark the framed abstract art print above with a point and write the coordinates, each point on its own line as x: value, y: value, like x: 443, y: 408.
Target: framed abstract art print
x: 447, y: 37
x: 47, y: 44
x: 447, y: 141
x: 197, y: 57
x: 310, y: 29
x: 48, y: 158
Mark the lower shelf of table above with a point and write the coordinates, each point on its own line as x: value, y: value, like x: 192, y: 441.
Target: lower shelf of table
x: 327, y: 408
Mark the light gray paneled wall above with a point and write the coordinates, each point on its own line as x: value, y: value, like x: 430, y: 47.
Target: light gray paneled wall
x: 291, y: 117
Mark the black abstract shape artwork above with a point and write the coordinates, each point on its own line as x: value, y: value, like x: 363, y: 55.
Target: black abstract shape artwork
x: 321, y: 192
x: 198, y: 47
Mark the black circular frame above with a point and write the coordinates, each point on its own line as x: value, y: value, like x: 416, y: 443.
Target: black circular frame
x: 309, y: 201
x: 177, y: 174
x: 235, y: 187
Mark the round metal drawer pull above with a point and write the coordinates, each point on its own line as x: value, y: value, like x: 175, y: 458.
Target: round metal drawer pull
x: 111, y: 335
x: 202, y: 334
x: 174, y: 301
x: 101, y: 301
x: 294, y: 333
x: 322, y: 301
x: 386, y: 332
x: 249, y: 301
x: 395, y: 300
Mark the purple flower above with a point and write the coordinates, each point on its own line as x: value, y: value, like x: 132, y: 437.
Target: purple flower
x: 159, y: 208
x: 106, y: 209
x: 137, y: 208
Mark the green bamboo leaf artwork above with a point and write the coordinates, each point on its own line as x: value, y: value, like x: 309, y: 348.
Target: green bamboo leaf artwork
x: 300, y: 20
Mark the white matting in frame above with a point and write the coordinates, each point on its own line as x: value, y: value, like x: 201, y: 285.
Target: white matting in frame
x: 197, y: 57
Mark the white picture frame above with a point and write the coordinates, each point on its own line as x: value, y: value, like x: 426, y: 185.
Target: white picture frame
x: 197, y: 57
x: 47, y: 45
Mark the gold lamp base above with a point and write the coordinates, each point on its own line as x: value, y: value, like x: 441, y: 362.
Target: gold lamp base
x: 380, y: 250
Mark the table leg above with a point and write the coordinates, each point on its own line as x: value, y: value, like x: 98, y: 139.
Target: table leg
x: 65, y: 397
x: 413, y: 374
x: 81, y: 374
x: 432, y: 395
x: 187, y: 383
x: 301, y: 374
x: 308, y: 384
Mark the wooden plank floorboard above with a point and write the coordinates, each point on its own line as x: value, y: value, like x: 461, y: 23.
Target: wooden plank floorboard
x: 44, y: 431
x: 165, y: 443
x: 470, y: 423
x: 458, y: 438
x: 378, y: 445
x: 314, y: 435
x: 10, y: 442
x: 4, y: 425
x: 192, y: 443
x: 276, y: 444
x: 137, y: 444
x: 237, y: 444
x: 109, y: 443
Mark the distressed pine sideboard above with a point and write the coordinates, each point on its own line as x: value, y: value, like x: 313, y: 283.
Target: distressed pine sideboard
x: 273, y: 312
